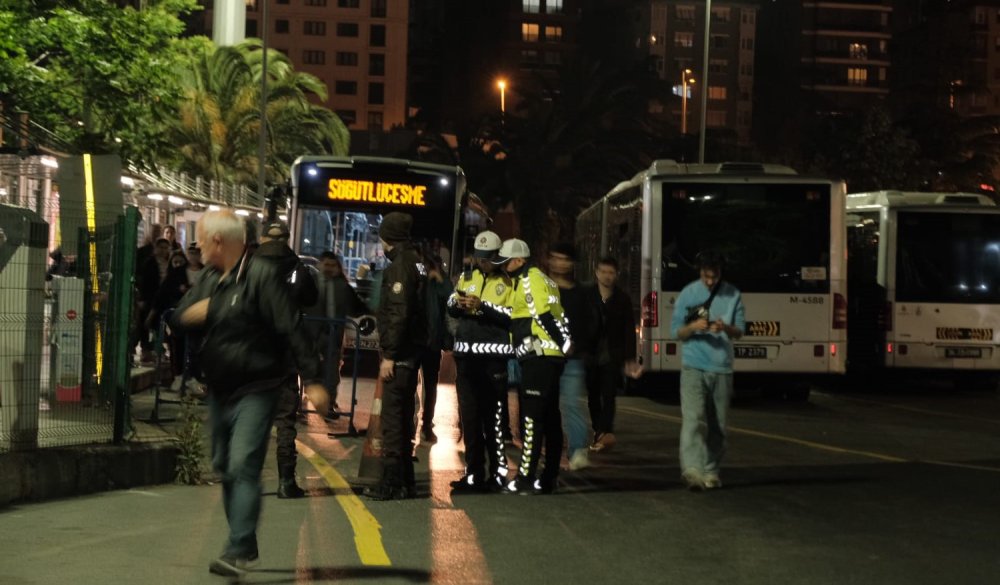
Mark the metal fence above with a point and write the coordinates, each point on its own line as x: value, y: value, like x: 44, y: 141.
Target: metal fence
x: 64, y: 325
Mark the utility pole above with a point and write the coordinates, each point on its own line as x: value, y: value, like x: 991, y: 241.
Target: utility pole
x: 262, y: 145
x: 704, y: 81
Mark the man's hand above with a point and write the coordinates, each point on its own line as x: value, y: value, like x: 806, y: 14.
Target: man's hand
x: 699, y: 325
x: 319, y: 397
x: 471, y: 303
x: 717, y: 326
x: 196, y: 314
x: 387, y: 371
x: 633, y: 370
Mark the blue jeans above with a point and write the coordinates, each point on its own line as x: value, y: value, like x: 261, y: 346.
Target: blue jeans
x: 240, y: 432
x: 705, y: 400
x: 573, y: 387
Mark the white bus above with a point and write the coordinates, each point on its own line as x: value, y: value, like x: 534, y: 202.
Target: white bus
x: 925, y: 284
x: 783, y: 238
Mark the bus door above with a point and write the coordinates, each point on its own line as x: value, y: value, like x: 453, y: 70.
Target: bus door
x: 946, y: 296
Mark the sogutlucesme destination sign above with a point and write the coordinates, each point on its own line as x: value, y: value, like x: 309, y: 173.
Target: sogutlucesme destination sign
x: 382, y: 187
x: 377, y: 192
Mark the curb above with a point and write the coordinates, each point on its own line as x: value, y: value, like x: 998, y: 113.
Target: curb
x: 73, y: 471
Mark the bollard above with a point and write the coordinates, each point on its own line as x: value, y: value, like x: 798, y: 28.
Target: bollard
x: 370, y: 470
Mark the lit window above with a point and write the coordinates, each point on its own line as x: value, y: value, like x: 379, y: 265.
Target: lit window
x: 858, y: 50
x: 716, y: 92
x: 857, y: 76
x: 553, y: 33
x: 553, y: 6
x: 529, y: 32
x: 530, y: 6
x: 683, y: 39
x: 720, y: 14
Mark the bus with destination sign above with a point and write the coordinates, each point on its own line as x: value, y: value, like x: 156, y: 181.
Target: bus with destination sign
x: 782, y: 235
x: 337, y: 204
x: 924, y: 278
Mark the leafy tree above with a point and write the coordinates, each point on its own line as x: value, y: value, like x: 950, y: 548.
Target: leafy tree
x: 99, y: 75
x: 216, y: 133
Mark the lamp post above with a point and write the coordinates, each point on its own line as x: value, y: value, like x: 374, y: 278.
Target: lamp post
x: 704, y: 80
x: 685, y: 81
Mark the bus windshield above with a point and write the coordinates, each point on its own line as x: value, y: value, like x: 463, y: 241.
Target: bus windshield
x: 340, y: 209
x: 775, y: 237
x: 948, y: 257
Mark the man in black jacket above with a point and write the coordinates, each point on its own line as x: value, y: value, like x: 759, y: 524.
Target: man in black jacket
x: 615, y: 353
x: 274, y: 249
x: 247, y: 318
x: 402, y: 330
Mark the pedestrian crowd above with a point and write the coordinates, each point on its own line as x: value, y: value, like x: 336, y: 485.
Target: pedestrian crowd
x: 264, y: 326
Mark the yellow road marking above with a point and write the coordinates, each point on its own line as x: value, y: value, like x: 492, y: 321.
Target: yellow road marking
x: 814, y: 445
x: 367, y: 530
x: 910, y: 408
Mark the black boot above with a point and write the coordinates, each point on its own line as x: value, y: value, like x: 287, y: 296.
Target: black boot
x: 390, y: 487
x: 287, y: 488
x: 408, y: 477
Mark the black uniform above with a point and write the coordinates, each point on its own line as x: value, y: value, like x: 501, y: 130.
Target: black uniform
x: 402, y: 329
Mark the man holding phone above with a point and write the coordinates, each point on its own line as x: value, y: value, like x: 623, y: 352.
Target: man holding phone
x: 716, y: 319
x: 481, y: 303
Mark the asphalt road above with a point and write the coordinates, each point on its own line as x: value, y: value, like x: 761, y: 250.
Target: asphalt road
x: 859, y: 485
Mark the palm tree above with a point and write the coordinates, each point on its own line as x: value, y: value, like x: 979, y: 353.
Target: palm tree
x: 217, y: 131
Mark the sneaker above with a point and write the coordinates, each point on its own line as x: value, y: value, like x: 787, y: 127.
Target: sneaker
x: 712, y: 481
x: 468, y: 484
x: 693, y: 480
x: 427, y: 435
x: 520, y: 486
x: 229, y: 566
x: 579, y: 460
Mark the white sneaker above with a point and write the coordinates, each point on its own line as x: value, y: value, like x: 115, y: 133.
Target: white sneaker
x: 711, y: 481
x: 693, y: 480
x: 579, y: 460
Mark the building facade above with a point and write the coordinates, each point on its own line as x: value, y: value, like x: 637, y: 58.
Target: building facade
x: 358, y: 48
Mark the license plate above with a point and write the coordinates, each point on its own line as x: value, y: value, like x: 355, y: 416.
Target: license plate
x: 750, y: 352
x: 963, y: 352
x: 365, y: 343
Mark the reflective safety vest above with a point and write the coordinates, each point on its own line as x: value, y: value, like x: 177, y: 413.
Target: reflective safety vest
x: 485, y: 332
x: 538, y: 323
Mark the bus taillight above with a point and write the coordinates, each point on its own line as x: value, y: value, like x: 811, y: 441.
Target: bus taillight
x: 839, y: 311
x: 650, y: 310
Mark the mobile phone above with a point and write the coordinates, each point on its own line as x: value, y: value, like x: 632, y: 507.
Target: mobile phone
x: 461, y: 293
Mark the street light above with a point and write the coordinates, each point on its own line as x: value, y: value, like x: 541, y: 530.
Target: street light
x: 685, y: 81
x: 502, y: 84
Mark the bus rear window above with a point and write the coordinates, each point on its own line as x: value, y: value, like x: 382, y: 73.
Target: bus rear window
x: 775, y: 237
x: 948, y: 257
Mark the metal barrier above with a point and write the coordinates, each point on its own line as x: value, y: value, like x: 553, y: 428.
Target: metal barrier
x: 332, y: 344
x: 161, y: 337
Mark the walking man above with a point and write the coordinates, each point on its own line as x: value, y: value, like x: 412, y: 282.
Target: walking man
x: 482, y: 304
x: 615, y: 352
x: 541, y: 342
x: 708, y: 316
x: 402, y: 330
x: 584, y: 327
x: 249, y: 322
x: 274, y: 249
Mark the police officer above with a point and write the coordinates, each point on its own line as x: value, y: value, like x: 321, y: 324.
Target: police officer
x: 402, y: 329
x: 541, y: 341
x: 482, y: 304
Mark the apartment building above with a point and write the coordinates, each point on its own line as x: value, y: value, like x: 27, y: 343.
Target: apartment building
x: 358, y: 48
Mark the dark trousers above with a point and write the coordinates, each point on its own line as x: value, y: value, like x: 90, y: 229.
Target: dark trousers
x: 178, y: 346
x: 398, y: 397
x: 602, y: 391
x: 540, y: 417
x: 240, y: 431
x: 482, y: 391
x: 285, y: 417
x: 430, y: 366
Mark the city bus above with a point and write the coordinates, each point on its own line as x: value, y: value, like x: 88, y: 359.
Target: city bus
x: 924, y: 273
x: 782, y: 235
x: 337, y: 204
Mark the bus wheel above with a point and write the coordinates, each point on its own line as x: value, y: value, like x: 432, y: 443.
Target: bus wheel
x: 978, y: 381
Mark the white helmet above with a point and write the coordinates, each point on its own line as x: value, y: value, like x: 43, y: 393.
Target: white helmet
x: 487, y: 244
x: 513, y: 248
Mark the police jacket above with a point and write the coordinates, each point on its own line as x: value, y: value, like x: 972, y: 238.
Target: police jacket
x: 538, y: 327
x: 402, y: 319
x: 485, y: 332
x: 251, y: 326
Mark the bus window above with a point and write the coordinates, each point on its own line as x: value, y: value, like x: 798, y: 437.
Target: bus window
x: 948, y: 257
x: 775, y: 237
